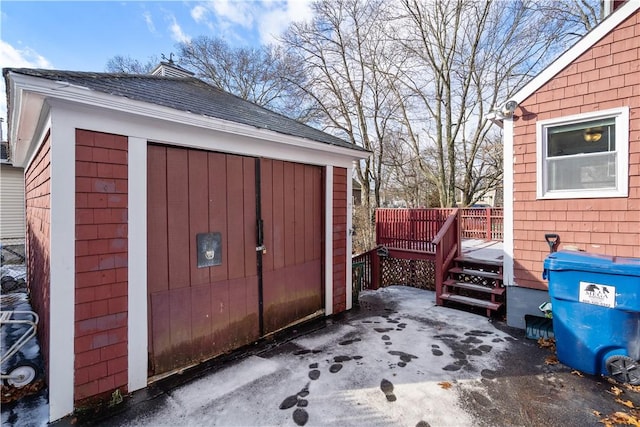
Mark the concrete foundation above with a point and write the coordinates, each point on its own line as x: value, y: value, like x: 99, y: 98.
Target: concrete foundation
x: 523, y: 301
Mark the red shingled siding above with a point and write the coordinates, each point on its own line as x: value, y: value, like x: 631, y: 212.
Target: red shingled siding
x: 339, y: 239
x: 101, y: 264
x: 38, y: 220
x: 606, y: 76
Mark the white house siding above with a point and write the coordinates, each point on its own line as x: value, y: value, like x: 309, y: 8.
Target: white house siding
x: 11, y: 203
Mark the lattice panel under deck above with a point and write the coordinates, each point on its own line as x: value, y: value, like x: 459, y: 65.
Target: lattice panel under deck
x: 414, y: 273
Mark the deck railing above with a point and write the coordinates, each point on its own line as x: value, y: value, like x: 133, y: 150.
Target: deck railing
x: 416, y: 228
x: 448, y: 247
x: 421, y: 244
x: 363, y: 271
x: 409, y: 228
x: 482, y: 223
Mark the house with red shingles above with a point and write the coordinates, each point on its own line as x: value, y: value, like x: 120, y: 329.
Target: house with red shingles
x: 572, y: 158
x: 168, y: 222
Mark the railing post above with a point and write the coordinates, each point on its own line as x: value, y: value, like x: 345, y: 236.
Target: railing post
x: 488, y: 224
x: 375, y: 270
x: 412, y: 222
x: 458, y: 234
x: 377, y: 225
x: 439, y: 273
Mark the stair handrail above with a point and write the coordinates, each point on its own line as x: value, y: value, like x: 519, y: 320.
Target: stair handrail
x: 447, y: 244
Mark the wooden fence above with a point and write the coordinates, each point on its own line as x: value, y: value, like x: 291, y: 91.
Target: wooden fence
x: 416, y: 228
x: 409, y: 228
x: 482, y: 223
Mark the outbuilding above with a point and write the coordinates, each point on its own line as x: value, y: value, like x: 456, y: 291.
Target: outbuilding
x: 168, y: 222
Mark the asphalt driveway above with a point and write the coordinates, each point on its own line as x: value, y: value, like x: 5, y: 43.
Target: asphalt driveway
x: 397, y: 360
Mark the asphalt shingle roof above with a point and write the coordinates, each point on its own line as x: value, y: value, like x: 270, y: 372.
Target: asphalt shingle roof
x: 186, y: 94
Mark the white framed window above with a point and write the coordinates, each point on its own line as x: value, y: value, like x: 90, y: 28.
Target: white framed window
x: 584, y: 155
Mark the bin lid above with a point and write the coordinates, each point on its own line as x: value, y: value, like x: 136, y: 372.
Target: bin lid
x: 584, y: 261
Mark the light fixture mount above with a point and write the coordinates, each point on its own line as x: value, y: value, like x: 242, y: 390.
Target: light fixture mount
x: 509, y: 108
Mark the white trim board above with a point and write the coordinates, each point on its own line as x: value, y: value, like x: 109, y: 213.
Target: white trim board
x: 328, y: 238
x: 138, y: 335
x: 349, y: 279
x: 508, y: 161
x: 183, y: 135
x: 62, y: 266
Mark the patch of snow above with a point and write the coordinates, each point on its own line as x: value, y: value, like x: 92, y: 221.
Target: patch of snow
x: 26, y: 413
x: 187, y: 403
x: 17, y: 271
x: 385, y: 369
x: 31, y: 411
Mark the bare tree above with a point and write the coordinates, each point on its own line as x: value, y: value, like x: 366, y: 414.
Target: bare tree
x: 466, y: 57
x: 345, y: 55
x: 347, y: 59
x: 575, y: 17
x: 258, y: 74
x: 129, y: 65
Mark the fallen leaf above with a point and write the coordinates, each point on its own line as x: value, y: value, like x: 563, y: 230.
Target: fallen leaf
x: 627, y: 403
x: 626, y: 419
x: 551, y: 360
x: 445, y: 385
x: 630, y: 387
x: 578, y: 373
x: 606, y: 422
x: 616, y: 391
x: 620, y: 418
x: 546, y: 342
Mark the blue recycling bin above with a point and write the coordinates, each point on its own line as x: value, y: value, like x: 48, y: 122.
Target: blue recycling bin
x: 596, y: 312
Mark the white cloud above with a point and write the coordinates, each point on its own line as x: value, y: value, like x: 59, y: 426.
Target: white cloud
x: 176, y: 32
x: 276, y: 20
x: 199, y: 13
x: 238, y: 12
x: 149, y: 20
x: 268, y: 19
x: 17, y: 58
x: 25, y: 58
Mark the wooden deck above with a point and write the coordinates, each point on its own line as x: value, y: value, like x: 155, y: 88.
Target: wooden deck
x: 428, y: 249
x: 483, y: 250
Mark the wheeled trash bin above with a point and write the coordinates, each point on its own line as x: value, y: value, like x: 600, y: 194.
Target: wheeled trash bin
x: 596, y: 312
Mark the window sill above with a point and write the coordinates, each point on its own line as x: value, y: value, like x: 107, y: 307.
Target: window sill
x: 583, y: 194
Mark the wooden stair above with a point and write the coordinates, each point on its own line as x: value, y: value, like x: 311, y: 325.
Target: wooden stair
x: 475, y: 283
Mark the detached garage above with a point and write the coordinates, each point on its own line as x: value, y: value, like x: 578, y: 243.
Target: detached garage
x: 169, y: 222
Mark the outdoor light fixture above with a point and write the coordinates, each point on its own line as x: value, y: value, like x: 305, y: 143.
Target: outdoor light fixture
x: 509, y: 108
x: 593, y: 134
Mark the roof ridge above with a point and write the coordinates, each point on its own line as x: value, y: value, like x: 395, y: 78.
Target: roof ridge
x: 54, y: 72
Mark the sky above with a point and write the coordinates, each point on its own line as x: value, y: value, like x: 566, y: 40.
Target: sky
x: 84, y: 35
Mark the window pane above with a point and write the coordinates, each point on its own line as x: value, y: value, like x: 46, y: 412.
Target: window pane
x: 596, y: 136
x: 582, y: 172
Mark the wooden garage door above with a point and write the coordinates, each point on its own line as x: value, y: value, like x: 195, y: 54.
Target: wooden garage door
x: 198, y: 313
x: 293, y: 228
